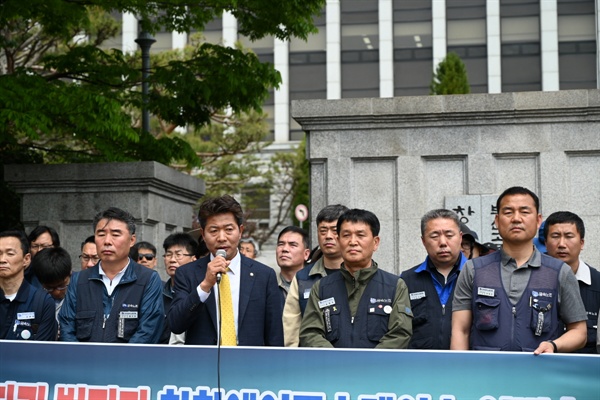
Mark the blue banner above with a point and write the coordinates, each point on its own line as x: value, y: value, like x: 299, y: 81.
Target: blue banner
x: 64, y: 371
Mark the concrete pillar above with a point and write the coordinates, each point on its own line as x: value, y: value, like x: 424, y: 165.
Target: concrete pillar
x: 68, y: 196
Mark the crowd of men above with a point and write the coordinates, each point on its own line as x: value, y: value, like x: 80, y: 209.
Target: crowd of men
x: 464, y: 296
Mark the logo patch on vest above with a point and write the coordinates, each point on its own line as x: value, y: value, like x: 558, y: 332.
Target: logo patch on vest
x: 128, y: 314
x: 535, y: 293
x: 326, y: 302
x: 306, y: 294
x: 481, y: 291
x: 417, y: 295
x: 25, y: 315
x: 374, y: 300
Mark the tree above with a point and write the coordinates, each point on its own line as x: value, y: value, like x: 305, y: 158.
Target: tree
x: 234, y: 163
x: 450, y: 76
x: 63, y: 98
x: 71, y: 101
x: 229, y: 149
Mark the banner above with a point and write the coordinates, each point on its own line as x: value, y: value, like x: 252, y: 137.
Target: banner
x: 76, y: 371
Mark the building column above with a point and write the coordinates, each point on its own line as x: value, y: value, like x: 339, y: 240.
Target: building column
x: 494, y: 48
x: 386, y: 48
x: 439, y: 34
x: 598, y: 44
x: 334, y: 46
x: 230, y: 33
x: 282, y: 95
x: 178, y: 40
x: 130, y: 33
x: 549, y: 45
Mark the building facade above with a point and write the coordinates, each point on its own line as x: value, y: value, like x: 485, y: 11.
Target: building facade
x: 389, y: 48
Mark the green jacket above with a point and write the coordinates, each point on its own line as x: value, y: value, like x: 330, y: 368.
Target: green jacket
x: 312, y: 330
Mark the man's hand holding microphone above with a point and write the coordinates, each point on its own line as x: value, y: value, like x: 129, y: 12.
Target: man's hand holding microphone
x: 216, y: 268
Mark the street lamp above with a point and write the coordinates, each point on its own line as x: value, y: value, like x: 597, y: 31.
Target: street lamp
x: 145, y: 41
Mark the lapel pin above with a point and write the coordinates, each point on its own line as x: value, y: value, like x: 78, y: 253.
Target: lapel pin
x: 251, y: 273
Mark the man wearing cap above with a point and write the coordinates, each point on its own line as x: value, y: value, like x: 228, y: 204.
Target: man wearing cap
x: 431, y: 284
x: 470, y: 246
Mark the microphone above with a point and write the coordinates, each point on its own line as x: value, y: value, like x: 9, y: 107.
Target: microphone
x: 220, y: 253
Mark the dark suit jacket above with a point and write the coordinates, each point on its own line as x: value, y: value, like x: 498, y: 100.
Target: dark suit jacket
x: 259, y: 316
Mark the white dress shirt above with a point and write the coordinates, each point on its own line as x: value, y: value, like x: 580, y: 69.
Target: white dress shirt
x: 235, y: 268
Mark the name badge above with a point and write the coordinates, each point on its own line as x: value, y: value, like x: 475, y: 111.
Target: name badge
x: 128, y: 314
x: 417, y: 295
x: 486, y: 292
x: 306, y: 294
x: 326, y: 302
x: 25, y: 315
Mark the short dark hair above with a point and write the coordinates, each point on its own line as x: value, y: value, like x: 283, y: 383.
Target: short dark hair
x: 331, y: 213
x: 118, y: 214
x: 40, y: 230
x: 51, y: 265
x: 220, y: 205
x: 145, y: 245
x: 511, y: 191
x: 134, y: 252
x: 19, y: 235
x: 564, y: 217
x: 358, y: 215
x: 439, y: 213
x: 184, y: 240
x: 298, y: 230
x: 89, y: 239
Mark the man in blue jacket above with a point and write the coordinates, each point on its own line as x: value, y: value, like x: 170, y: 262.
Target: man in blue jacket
x: 117, y: 300
x: 26, y: 312
x: 431, y: 284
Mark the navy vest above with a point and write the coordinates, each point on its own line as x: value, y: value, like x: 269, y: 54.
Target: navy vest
x: 35, y: 305
x: 305, y: 283
x: 500, y: 325
x: 371, y: 320
x: 125, y: 306
x: 432, y: 322
x: 591, y: 301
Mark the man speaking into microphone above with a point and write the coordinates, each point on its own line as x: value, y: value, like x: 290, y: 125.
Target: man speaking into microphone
x: 226, y: 298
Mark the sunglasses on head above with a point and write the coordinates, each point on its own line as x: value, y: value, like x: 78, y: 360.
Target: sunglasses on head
x: 148, y: 257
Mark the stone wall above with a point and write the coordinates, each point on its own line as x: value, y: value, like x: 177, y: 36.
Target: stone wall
x: 401, y: 157
x: 67, y: 197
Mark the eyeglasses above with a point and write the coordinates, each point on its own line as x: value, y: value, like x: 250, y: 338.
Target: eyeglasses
x: 37, y: 247
x: 178, y: 255
x: 87, y: 258
x: 148, y: 257
x: 55, y: 288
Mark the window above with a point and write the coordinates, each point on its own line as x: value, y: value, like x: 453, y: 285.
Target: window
x: 413, y: 51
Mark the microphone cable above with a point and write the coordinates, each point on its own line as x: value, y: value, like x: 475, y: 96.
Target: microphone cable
x: 219, y: 253
x: 219, y: 321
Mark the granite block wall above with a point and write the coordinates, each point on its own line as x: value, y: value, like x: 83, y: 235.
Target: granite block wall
x: 401, y: 157
x: 67, y: 197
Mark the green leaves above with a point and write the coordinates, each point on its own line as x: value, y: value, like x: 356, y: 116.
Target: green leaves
x: 450, y: 76
x: 215, y: 77
x: 65, y: 97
